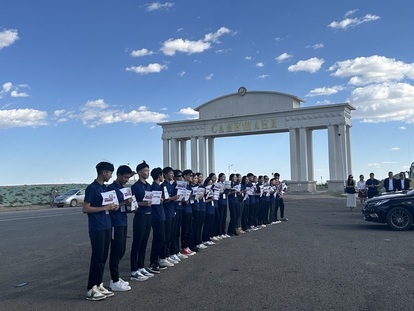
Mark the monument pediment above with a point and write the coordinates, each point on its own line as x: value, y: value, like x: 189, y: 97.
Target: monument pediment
x: 247, y: 103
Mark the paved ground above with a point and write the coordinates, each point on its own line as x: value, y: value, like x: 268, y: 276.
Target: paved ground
x: 323, y: 258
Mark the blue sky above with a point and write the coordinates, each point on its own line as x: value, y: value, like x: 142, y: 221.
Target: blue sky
x: 87, y: 81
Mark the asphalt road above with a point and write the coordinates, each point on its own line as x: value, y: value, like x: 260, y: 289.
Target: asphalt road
x: 323, y: 258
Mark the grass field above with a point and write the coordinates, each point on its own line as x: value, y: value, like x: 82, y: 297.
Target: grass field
x: 24, y: 195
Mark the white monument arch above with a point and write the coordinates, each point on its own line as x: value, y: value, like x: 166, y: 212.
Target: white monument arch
x: 263, y: 112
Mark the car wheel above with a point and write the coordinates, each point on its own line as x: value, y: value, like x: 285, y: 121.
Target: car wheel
x: 399, y: 218
x: 73, y: 203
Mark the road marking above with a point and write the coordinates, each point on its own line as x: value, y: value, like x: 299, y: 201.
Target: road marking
x: 34, y: 217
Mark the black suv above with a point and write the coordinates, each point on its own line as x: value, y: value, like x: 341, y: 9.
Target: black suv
x: 396, y: 209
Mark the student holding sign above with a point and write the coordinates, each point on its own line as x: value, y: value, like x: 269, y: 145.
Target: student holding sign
x: 119, y: 227
x: 99, y: 223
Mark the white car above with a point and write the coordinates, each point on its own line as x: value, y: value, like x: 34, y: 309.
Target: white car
x: 71, y: 198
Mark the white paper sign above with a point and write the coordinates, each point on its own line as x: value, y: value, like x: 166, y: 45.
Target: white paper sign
x: 147, y: 196
x: 166, y: 194
x: 109, y: 197
x: 126, y: 192
x: 156, y: 197
x: 181, y: 184
x: 134, y: 204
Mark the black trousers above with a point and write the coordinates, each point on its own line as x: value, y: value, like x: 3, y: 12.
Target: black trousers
x: 118, y: 247
x: 141, y: 230
x: 239, y: 212
x: 272, y: 216
x: 176, y: 232
x: 223, y: 210
x: 245, y: 216
x: 208, y: 227
x: 158, y: 240
x: 280, y: 204
x: 165, y: 252
x: 100, y: 241
x: 187, y: 231
x: 266, y: 211
x: 198, y: 221
x: 232, y: 223
x: 217, y: 221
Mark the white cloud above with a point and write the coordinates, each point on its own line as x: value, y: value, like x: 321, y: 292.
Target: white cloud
x: 384, y: 102
x: 189, y: 112
x: 140, y: 53
x: 17, y: 94
x: 325, y: 91
x: 223, y: 51
x: 282, y: 57
x: 210, y: 76
x: 352, y: 22
x: 8, y: 37
x: 317, y: 46
x: 155, y: 6
x: 172, y: 46
x: 213, y: 37
x: 151, y: 68
x: 311, y: 65
x: 248, y: 58
x: 350, y: 12
x: 261, y: 77
x: 395, y: 149
x: 402, y: 128
x: 372, y: 69
x: 96, y: 113
x: 7, y: 87
x: 181, y: 74
x: 260, y: 64
x: 22, y: 118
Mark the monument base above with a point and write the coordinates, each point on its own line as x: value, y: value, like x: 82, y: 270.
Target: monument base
x: 335, y: 185
x: 302, y: 186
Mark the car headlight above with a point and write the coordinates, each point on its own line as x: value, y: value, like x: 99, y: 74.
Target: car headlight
x: 378, y: 203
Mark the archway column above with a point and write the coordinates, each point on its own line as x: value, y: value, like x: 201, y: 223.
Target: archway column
x: 194, y: 154
x: 202, y: 155
x: 166, y: 152
x: 183, y: 153
x: 174, y: 153
x: 211, y: 160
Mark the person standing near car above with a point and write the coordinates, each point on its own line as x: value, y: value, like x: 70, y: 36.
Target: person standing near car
x: 362, y: 190
x: 402, y: 183
x: 390, y: 183
x: 52, y: 196
x: 372, y: 185
x: 119, y: 229
x: 350, y: 193
x: 99, y: 223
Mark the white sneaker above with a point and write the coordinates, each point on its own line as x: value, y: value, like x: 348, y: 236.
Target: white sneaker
x: 181, y: 256
x: 104, y: 291
x: 223, y: 236
x: 201, y: 246
x: 144, y: 272
x: 175, y: 257
x: 119, y: 286
x: 122, y: 281
x: 214, y: 238
x: 94, y: 294
x: 165, y: 263
x: 138, y: 276
x: 227, y: 236
x: 263, y: 226
x: 174, y: 262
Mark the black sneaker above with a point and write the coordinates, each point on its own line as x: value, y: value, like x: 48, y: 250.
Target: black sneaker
x: 154, y: 269
x: 195, y: 249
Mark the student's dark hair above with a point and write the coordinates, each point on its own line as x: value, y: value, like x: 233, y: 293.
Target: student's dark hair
x: 198, y: 174
x: 166, y: 170
x: 206, y: 181
x: 142, y: 165
x: 260, y: 177
x: 276, y: 175
x: 104, y: 166
x: 220, y: 175
x: 244, y: 178
x: 156, y: 172
x: 231, y: 176
x: 176, y: 173
x: 250, y: 174
x: 123, y: 169
x: 211, y: 175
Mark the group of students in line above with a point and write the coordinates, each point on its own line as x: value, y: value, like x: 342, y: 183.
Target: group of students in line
x: 190, y: 214
x: 370, y: 187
